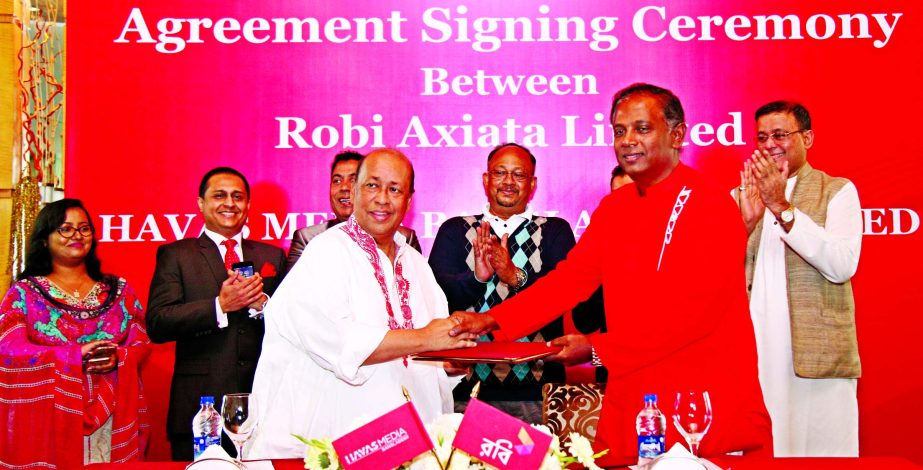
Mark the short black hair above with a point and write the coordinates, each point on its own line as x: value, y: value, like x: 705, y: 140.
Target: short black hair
x: 395, y: 152
x: 510, y: 144
x: 794, y: 108
x: 616, y: 172
x: 38, y: 257
x: 222, y: 170
x: 672, y: 108
x: 345, y: 156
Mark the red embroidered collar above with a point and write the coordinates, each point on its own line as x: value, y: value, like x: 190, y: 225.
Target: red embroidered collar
x: 368, y: 245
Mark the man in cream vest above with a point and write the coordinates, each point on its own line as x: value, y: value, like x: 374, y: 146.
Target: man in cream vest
x: 805, y: 233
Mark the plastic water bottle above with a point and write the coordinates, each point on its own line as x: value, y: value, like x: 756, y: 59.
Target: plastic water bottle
x: 651, y: 426
x: 206, y: 427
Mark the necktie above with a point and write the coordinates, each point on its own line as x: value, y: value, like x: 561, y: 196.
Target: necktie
x: 230, y: 256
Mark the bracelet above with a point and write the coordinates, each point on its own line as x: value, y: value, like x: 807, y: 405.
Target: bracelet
x: 595, y: 358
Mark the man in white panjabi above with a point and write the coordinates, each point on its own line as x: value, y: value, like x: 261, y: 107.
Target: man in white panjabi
x: 805, y: 236
x: 340, y: 327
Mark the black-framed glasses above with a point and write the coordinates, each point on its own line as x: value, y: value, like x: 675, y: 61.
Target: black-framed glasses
x: 500, y: 175
x: 69, y: 231
x: 777, y: 136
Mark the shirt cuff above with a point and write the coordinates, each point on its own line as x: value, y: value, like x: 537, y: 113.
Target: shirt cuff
x: 258, y: 314
x: 222, y: 317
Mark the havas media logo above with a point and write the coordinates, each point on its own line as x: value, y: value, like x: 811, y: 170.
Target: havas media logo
x: 387, y: 441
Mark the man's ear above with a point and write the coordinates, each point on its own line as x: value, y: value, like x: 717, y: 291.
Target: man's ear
x: 808, y: 137
x: 201, y: 203
x: 677, y: 135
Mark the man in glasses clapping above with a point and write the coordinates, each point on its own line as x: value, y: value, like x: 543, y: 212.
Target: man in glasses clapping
x: 805, y: 233
x: 482, y: 260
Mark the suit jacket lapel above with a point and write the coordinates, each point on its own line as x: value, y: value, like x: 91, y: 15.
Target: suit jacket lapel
x: 252, y: 254
x: 209, y: 251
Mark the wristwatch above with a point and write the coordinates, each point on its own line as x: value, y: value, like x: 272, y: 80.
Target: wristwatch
x: 788, y: 215
x: 521, y: 278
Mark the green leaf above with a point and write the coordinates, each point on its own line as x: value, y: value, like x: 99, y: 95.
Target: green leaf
x: 303, y: 440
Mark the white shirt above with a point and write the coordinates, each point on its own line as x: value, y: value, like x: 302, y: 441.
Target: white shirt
x: 506, y: 227
x: 219, y: 240
x: 322, y: 323
x: 810, y: 417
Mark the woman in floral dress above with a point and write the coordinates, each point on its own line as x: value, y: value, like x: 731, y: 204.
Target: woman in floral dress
x: 72, y: 340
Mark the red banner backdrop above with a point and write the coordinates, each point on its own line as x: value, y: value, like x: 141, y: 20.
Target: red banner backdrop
x: 161, y: 91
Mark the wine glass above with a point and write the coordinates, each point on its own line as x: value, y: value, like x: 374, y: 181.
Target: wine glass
x: 238, y: 412
x: 692, y: 417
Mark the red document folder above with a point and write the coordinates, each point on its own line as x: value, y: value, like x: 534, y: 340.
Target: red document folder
x: 511, y: 352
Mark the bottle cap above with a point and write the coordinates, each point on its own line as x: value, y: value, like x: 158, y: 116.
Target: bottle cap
x: 650, y: 397
x: 207, y: 400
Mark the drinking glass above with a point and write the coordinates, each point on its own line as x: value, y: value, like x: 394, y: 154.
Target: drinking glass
x: 238, y: 413
x: 692, y: 417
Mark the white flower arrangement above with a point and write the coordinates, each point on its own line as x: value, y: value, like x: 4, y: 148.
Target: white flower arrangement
x: 320, y: 454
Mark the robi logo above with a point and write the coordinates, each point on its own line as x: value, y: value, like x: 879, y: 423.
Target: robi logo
x: 895, y: 221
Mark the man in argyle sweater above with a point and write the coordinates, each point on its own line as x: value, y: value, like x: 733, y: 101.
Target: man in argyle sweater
x: 476, y: 279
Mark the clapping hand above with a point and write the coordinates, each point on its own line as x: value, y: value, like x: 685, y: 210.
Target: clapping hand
x: 483, y: 268
x: 492, y: 256
x: 748, y: 198
x: 769, y: 179
x: 238, y: 292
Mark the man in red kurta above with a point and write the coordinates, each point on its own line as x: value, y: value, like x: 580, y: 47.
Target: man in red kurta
x: 669, y: 248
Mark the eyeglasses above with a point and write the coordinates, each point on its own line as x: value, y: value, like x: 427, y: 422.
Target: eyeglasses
x: 500, y: 175
x: 776, y: 136
x: 68, y: 231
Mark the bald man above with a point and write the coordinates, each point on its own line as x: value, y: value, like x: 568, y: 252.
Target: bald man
x: 338, y: 332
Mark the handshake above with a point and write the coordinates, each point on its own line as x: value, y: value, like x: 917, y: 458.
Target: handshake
x: 462, y: 328
x: 458, y: 331
x: 476, y: 324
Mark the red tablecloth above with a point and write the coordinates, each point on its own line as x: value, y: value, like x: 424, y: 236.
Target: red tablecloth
x: 863, y: 463
x: 728, y: 463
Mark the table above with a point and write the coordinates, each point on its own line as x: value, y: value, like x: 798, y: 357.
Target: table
x: 862, y: 463
x: 735, y: 463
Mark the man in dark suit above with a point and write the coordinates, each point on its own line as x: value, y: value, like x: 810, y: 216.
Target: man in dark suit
x: 212, y: 312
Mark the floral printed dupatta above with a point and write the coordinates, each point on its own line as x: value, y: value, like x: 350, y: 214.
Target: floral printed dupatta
x: 47, y: 403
